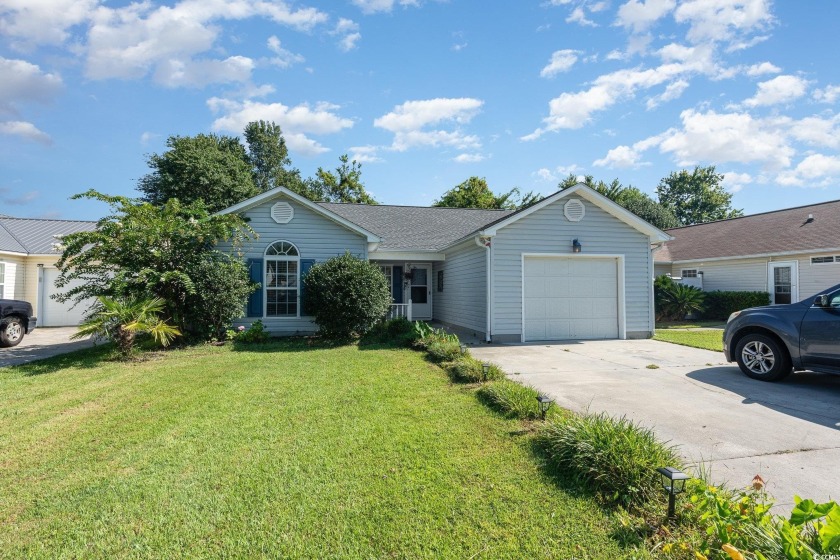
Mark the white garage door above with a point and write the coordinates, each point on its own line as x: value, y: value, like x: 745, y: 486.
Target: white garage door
x: 570, y: 298
x: 55, y: 314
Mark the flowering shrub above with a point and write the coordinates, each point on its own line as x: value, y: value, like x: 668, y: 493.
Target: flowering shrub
x: 255, y: 334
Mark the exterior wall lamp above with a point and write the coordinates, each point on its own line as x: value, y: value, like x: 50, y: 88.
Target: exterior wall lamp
x: 673, y: 482
x: 576, y: 246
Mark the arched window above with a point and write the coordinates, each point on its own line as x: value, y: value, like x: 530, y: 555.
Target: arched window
x: 282, y: 280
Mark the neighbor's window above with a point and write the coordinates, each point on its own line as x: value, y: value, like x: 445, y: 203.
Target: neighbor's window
x: 282, y: 275
x: 689, y: 273
x: 440, y: 281
x: 825, y: 260
x: 2, y: 280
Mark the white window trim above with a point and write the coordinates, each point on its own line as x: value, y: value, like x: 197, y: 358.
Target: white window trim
x: 265, y: 288
x: 835, y: 259
x: 3, y: 280
x: 694, y: 270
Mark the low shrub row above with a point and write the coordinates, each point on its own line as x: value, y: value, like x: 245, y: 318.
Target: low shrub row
x: 515, y: 400
x: 720, y: 305
x: 466, y: 369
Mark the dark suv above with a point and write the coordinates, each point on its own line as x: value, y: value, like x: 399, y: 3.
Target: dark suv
x: 16, y: 320
x: 770, y: 342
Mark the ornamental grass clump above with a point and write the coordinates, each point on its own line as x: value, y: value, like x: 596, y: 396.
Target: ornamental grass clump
x: 515, y: 400
x: 444, y: 350
x: 466, y: 369
x: 612, y: 456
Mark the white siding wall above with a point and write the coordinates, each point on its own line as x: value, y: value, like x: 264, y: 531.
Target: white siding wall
x: 548, y: 231
x: 13, y: 277
x: 315, y: 236
x: 463, y: 301
x: 814, y: 278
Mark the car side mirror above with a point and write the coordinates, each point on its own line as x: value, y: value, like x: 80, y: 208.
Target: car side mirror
x: 821, y: 301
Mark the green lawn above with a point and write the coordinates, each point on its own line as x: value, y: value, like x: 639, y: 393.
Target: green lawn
x: 282, y: 451
x: 706, y: 339
x: 690, y: 324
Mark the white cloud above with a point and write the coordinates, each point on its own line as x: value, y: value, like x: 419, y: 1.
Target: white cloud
x: 469, y: 158
x: 561, y: 61
x: 147, y: 137
x: 780, y: 89
x: 365, y: 154
x: 408, y: 121
x: 374, y: 6
x: 724, y: 20
x: 33, y: 23
x: 622, y: 157
x: 734, y: 182
x: 23, y: 82
x: 25, y: 130
x: 672, y: 91
x: 13, y: 197
x: 763, y: 68
x: 199, y: 73
x: 828, y: 94
x: 544, y: 174
x: 816, y: 170
x: 578, y: 15
x: 815, y: 130
x: 639, y: 15
x: 297, y: 122
x: 284, y: 58
x: 349, y: 31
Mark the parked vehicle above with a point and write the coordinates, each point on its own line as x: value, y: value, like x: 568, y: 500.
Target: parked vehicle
x: 770, y: 342
x: 16, y: 320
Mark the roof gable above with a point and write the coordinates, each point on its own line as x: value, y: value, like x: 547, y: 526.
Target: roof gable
x: 34, y: 236
x: 655, y: 234
x: 786, y: 231
x: 254, y: 201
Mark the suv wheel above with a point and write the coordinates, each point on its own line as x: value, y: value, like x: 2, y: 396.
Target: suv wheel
x: 761, y: 357
x: 11, y: 332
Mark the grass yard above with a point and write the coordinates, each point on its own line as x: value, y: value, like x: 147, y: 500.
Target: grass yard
x: 706, y: 339
x: 690, y: 324
x: 279, y: 451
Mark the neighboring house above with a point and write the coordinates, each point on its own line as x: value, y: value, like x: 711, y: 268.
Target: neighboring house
x: 573, y: 266
x: 792, y: 254
x: 28, y: 253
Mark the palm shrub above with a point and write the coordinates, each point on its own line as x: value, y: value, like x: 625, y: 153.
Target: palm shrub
x: 679, y: 300
x: 613, y: 456
x: 346, y: 295
x: 121, y: 320
x: 514, y: 400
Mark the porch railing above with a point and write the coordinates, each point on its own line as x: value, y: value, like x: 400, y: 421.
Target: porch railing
x: 400, y: 310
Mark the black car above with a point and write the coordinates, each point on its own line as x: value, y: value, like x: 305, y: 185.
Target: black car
x: 770, y: 342
x: 16, y: 320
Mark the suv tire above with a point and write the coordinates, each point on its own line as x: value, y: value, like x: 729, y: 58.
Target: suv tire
x: 762, y: 358
x: 11, y: 332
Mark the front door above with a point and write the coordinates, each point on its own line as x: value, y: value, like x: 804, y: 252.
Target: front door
x: 420, y: 291
x: 819, y: 334
x: 782, y: 282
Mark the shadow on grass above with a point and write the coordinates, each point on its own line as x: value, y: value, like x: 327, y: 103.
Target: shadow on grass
x: 288, y: 344
x: 84, y: 359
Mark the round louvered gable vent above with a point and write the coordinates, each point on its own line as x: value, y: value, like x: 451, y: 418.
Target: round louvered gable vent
x: 574, y: 210
x: 282, y: 213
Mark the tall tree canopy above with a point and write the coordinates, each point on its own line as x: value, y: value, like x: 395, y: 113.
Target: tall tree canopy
x: 475, y: 193
x: 696, y: 197
x: 207, y: 167
x: 630, y: 198
x: 343, y: 185
x: 269, y: 157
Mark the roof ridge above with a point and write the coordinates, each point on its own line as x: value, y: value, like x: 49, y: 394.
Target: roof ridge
x: 756, y: 214
x: 3, y: 217
x: 15, y: 237
x: 415, y: 206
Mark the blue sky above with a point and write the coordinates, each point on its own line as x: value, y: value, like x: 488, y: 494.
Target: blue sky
x: 425, y: 93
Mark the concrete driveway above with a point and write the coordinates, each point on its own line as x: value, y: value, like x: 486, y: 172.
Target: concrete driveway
x: 789, y: 432
x: 43, y: 342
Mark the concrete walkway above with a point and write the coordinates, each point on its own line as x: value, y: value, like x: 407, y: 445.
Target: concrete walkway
x: 41, y: 343
x: 789, y: 432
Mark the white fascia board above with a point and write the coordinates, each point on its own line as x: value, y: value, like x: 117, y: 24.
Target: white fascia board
x: 655, y: 234
x: 278, y: 191
x: 805, y: 252
x: 14, y: 253
x: 407, y: 256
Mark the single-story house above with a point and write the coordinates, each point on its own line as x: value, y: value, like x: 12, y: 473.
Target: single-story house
x: 792, y: 254
x: 573, y: 266
x: 28, y: 253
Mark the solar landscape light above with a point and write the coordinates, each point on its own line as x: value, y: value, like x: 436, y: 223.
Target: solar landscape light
x: 545, y: 402
x: 463, y: 348
x: 485, y: 368
x: 673, y: 481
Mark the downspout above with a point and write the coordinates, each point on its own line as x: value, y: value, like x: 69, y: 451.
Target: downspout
x: 653, y: 248
x: 484, y: 243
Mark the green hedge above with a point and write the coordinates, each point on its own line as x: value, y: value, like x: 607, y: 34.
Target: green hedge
x: 720, y: 305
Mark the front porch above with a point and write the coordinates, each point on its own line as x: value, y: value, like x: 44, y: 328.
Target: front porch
x: 411, y: 289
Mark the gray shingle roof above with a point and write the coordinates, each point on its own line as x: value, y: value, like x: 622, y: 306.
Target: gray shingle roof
x: 781, y: 231
x: 416, y: 228
x: 36, y: 236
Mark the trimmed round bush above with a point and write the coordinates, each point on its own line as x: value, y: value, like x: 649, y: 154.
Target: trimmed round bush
x: 346, y: 295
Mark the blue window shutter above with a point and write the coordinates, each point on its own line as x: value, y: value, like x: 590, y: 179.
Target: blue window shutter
x: 396, y: 289
x: 255, y: 300
x: 305, y: 265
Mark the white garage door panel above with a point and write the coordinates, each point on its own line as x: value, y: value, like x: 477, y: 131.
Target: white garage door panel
x: 570, y: 298
x: 55, y: 314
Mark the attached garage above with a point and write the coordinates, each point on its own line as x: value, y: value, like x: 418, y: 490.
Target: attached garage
x: 53, y: 313
x: 572, y: 297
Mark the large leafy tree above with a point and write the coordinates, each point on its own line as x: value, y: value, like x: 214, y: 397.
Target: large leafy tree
x: 207, y: 167
x: 342, y: 185
x: 145, y: 251
x: 696, y: 197
x: 270, y: 161
x: 475, y: 193
x: 630, y: 198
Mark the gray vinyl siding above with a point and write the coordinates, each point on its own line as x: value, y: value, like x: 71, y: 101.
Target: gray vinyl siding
x: 815, y: 278
x: 661, y: 269
x: 463, y: 301
x: 316, y: 237
x: 548, y: 231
